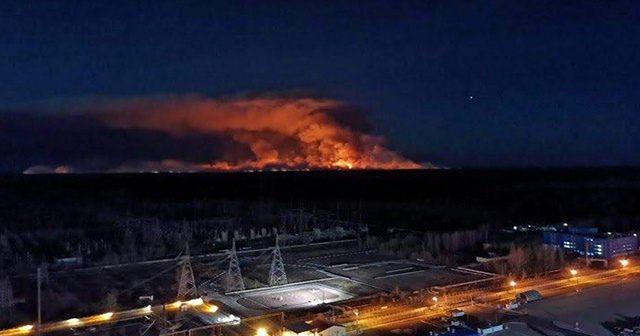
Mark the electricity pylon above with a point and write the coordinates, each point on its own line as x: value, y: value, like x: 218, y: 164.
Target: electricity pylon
x: 187, y: 288
x: 7, y: 300
x: 233, y: 279
x: 277, y: 275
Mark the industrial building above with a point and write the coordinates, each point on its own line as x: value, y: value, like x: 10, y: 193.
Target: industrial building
x: 590, y: 243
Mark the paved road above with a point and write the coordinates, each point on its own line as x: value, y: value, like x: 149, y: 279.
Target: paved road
x: 399, y: 316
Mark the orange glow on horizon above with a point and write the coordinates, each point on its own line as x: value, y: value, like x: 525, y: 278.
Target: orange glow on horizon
x: 265, y: 133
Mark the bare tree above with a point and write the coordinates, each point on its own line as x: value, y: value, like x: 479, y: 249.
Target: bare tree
x: 517, y: 260
x: 110, y: 302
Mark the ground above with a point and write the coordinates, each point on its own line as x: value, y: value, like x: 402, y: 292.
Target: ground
x: 512, y: 329
x: 591, y: 308
x: 297, y: 296
x: 406, y: 275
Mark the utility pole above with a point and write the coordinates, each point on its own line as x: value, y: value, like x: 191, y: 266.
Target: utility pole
x: 39, y: 324
x: 586, y: 252
x: 164, y: 319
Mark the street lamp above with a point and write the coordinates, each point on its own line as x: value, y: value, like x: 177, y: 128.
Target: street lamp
x: 574, y: 272
x: 356, y: 313
x: 106, y: 316
x: 435, y: 300
x: 26, y: 328
x: 261, y: 332
x: 624, y: 262
x: 73, y: 321
x: 512, y: 284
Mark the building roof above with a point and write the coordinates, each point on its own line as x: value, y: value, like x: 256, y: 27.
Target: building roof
x: 530, y: 295
x: 321, y: 325
x: 302, y: 326
x: 299, y: 327
x: 459, y: 332
x: 594, y: 235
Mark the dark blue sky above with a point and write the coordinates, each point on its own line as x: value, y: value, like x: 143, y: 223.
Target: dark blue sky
x: 553, y: 82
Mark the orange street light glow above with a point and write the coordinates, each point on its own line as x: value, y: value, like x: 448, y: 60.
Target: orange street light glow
x: 73, y: 320
x: 27, y: 327
x: 195, y: 302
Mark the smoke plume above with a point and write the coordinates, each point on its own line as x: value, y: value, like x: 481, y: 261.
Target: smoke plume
x: 257, y: 133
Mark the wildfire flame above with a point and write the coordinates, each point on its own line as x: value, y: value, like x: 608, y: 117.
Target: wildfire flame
x: 246, y: 134
x: 281, y: 133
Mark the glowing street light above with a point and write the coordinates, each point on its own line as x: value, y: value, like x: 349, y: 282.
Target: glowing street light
x: 73, y: 321
x: 26, y: 328
x: 195, y: 302
x: 261, y: 332
x: 212, y: 308
x: 574, y: 272
x: 512, y: 286
x: 624, y: 262
x: 435, y: 299
x: 106, y: 316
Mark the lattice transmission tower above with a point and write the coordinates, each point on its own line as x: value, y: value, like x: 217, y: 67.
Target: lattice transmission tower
x: 187, y: 288
x: 233, y: 279
x: 7, y: 300
x: 277, y: 274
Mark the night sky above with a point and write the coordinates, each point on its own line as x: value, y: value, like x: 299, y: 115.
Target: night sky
x: 457, y: 83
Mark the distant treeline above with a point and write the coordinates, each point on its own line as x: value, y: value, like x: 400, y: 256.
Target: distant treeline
x: 431, y: 200
x: 442, y: 248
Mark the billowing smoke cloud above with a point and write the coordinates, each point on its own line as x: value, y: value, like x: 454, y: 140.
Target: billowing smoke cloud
x: 258, y: 133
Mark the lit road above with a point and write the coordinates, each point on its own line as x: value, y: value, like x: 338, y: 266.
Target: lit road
x: 112, y: 317
x: 405, y: 315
